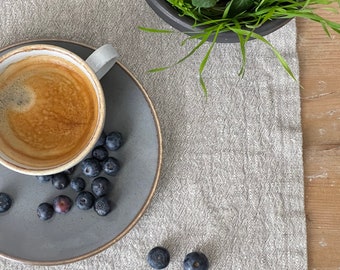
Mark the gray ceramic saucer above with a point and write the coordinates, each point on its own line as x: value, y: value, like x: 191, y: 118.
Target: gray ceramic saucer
x: 80, y: 234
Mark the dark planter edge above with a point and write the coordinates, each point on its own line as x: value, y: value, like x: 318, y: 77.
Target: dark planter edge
x: 184, y: 24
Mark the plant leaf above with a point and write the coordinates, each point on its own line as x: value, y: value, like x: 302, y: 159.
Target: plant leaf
x: 158, y: 69
x: 152, y: 30
x: 204, y: 3
x: 239, y: 6
x: 204, y: 62
x: 243, y: 40
x: 282, y: 61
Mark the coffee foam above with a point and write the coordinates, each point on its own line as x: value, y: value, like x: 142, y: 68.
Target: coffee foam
x: 48, y: 112
x: 17, y: 97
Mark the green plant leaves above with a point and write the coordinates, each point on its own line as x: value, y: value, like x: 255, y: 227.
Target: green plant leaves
x: 243, y: 17
x: 240, y: 6
x: 204, y: 3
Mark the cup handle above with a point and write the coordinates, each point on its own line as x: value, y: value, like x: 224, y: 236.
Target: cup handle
x: 102, y: 60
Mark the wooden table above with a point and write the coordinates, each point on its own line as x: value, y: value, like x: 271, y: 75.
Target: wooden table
x: 320, y: 100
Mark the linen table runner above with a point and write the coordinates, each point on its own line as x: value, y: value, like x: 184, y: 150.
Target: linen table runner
x: 231, y: 183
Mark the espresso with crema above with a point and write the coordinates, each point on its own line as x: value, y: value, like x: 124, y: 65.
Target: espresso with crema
x: 48, y: 111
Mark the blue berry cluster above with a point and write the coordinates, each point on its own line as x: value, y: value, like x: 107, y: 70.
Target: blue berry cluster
x: 159, y: 258
x: 93, y: 172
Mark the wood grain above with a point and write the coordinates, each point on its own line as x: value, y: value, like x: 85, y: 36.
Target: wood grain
x: 320, y: 100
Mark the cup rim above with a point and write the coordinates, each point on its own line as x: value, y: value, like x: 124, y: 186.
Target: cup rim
x: 79, y: 156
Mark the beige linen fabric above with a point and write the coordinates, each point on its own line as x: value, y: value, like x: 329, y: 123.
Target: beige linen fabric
x: 232, y: 178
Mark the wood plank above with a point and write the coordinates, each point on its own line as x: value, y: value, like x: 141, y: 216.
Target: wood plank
x: 320, y: 101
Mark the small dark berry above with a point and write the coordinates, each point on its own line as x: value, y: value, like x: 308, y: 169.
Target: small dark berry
x: 114, y: 140
x: 5, y: 202
x: 101, y: 140
x: 100, y: 186
x: 70, y: 170
x: 100, y: 153
x: 158, y: 257
x: 62, y: 204
x: 111, y: 166
x: 78, y: 184
x: 60, y: 180
x: 91, y: 167
x: 102, y: 206
x: 45, y: 211
x: 44, y: 178
x: 195, y: 261
x: 85, y: 200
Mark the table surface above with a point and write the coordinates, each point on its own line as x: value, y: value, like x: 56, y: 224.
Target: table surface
x: 320, y: 101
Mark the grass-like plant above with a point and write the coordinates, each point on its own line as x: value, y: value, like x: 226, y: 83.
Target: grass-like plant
x: 243, y: 17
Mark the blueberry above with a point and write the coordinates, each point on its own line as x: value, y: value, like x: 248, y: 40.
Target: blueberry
x: 158, y: 257
x: 102, y: 206
x: 114, y: 140
x: 44, y: 178
x: 100, y: 186
x: 91, y: 167
x: 78, y: 184
x: 70, y: 170
x: 5, y: 202
x: 60, y: 180
x: 111, y: 166
x: 100, y: 153
x: 45, y: 211
x: 101, y: 140
x: 62, y: 204
x: 195, y: 261
x: 85, y: 200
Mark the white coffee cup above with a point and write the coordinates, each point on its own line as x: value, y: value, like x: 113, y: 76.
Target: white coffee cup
x: 52, y: 107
